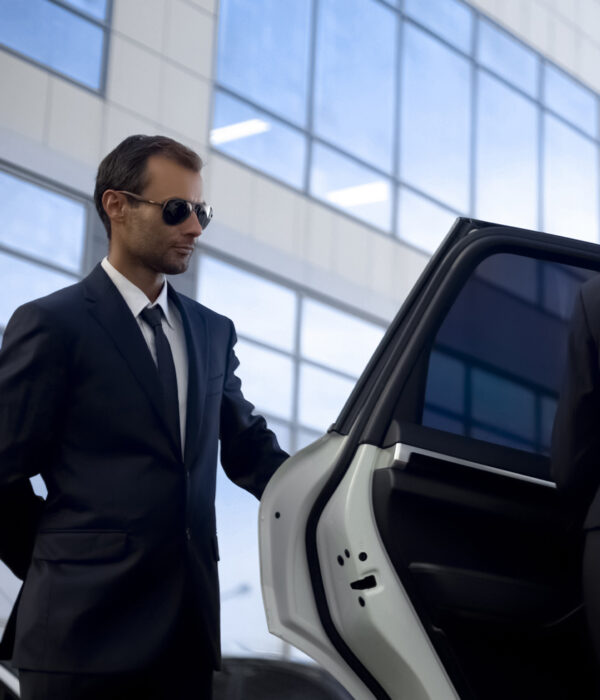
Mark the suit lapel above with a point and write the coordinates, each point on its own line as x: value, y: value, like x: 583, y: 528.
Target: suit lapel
x: 108, y: 307
x: 194, y: 326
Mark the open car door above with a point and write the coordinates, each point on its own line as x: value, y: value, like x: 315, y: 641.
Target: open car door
x: 420, y: 549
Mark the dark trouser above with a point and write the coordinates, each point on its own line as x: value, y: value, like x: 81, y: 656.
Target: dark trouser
x: 182, y: 672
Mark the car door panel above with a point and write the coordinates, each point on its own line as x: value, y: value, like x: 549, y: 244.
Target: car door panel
x: 470, y: 584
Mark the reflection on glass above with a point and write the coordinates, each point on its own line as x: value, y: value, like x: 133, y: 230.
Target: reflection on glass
x: 450, y: 19
x: 435, y: 119
x: 351, y: 187
x: 337, y: 339
x: 571, y: 100
x: 521, y: 277
x: 94, y: 8
x: 507, y: 57
x: 260, y: 309
x: 570, y: 182
x: 266, y: 378
x: 506, y: 181
x: 446, y: 382
x: 50, y: 34
x: 505, y: 404
x: 322, y: 395
x: 508, y: 352
x: 23, y: 281
x: 422, y: 222
x: 258, y: 140
x: 354, y: 78
x: 57, y: 231
x: 263, y: 53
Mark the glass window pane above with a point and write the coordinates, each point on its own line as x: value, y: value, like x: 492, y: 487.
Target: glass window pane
x: 52, y: 35
x: 259, y: 308
x: 306, y: 437
x: 322, y: 395
x: 503, y: 404
x: 571, y: 100
x: 435, y: 119
x: 59, y: 231
x: 356, y: 56
x: 452, y: 20
x: 570, y: 182
x: 266, y: 379
x: 258, y: 140
x: 348, y: 186
x: 94, y: 8
x: 23, y: 281
x: 422, y: 222
x: 263, y: 53
x: 507, y: 57
x: 507, y: 130
x: 340, y: 340
x: 498, y: 385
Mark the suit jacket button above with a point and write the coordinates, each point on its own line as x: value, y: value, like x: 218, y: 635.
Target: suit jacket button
x: 188, y: 533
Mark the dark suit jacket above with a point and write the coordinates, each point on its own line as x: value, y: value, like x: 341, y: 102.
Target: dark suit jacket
x: 127, y: 521
x: 576, y: 432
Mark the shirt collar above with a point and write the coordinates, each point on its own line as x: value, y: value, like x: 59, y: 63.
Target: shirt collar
x: 135, y: 299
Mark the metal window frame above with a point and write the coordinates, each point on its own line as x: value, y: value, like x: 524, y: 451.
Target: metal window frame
x: 105, y: 25
x: 396, y: 182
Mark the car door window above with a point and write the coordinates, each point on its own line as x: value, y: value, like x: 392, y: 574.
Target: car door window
x: 495, y: 369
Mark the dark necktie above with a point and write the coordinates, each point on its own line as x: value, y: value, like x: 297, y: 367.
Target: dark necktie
x: 166, y: 367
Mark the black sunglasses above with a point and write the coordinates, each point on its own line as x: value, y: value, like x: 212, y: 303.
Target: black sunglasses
x: 176, y: 210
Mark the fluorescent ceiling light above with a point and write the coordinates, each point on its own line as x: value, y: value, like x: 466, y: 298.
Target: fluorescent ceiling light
x: 370, y: 193
x: 241, y: 130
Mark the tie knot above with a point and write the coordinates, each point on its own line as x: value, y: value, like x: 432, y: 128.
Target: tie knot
x: 153, y: 316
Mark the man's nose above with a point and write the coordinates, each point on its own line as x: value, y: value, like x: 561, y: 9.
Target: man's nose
x: 195, y: 229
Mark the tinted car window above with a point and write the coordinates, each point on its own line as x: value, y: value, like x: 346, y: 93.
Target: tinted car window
x: 497, y: 362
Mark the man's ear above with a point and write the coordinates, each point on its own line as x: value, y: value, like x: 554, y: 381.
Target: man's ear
x: 115, y: 205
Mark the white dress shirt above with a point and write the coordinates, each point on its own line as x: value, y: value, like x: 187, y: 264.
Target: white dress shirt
x: 172, y: 325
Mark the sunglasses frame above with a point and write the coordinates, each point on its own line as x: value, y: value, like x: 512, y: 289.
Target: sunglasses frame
x: 202, y: 209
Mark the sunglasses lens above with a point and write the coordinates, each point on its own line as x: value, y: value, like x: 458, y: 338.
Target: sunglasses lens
x: 204, y: 214
x: 175, y: 211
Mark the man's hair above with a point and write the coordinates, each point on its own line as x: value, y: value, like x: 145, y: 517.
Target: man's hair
x: 124, y: 168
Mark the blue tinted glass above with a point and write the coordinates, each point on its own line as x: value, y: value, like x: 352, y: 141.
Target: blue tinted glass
x: 23, y: 281
x: 446, y: 382
x: 55, y: 37
x: 571, y: 100
x: 507, y: 165
x: 351, y: 187
x: 263, y: 53
x: 59, y: 230
x: 422, y: 222
x: 435, y: 119
x: 258, y: 140
x: 570, y: 182
x: 94, y: 8
x: 507, y: 57
x: 452, y: 20
x: 354, y: 79
x: 503, y: 404
x: 511, y: 353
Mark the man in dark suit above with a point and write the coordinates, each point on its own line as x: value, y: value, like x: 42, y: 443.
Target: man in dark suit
x: 117, y: 390
x: 576, y: 439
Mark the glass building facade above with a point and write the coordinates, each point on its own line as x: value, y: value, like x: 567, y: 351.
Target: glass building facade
x: 405, y: 115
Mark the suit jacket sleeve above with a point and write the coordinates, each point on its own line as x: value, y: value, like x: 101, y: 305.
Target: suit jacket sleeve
x: 576, y: 431
x: 31, y: 402
x: 250, y: 453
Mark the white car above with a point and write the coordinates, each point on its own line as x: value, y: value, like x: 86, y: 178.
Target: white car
x: 420, y: 550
